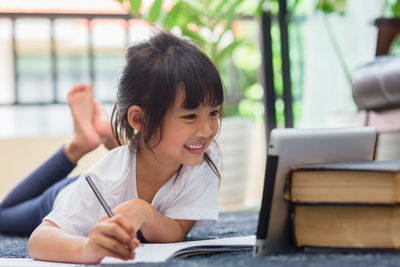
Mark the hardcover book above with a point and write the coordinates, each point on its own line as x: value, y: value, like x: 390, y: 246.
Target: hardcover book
x: 343, y: 226
x: 370, y: 182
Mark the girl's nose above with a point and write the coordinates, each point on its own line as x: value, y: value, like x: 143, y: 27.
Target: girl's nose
x: 205, y: 128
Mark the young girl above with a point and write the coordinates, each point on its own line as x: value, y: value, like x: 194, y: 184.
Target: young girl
x: 165, y: 180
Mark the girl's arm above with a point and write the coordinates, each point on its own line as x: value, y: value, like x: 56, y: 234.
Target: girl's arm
x: 112, y: 237
x: 159, y: 228
x: 154, y: 226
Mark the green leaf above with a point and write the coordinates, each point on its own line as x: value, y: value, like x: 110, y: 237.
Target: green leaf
x: 155, y: 11
x: 217, y: 10
x: 195, y: 37
x: 259, y: 9
x: 135, y: 5
x: 182, y: 14
x: 395, y: 8
x: 121, y: 1
x: 395, y: 46
x: 293, y: 7
x: 332, y: 6
x: 230, y: 13
x: 226, y: 51
x: 193, y: 14
x: 170, y: 20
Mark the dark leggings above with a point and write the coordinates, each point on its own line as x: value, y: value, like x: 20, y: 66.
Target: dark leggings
x: 32, y: 199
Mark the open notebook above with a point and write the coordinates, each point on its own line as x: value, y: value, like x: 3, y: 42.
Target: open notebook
x: 162, y: 252
x: 159, y: 252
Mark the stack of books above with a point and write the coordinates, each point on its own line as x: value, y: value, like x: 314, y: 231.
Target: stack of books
x: 346, y: 205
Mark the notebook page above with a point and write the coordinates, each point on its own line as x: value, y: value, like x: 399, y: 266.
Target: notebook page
x: 161, y: 252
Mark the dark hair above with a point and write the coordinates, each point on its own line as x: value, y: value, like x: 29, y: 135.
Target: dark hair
x: 150, y: 78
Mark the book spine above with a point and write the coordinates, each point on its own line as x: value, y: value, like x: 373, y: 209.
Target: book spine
x: 288, y: 186
x: 292, y: 223
x: 340, y: 226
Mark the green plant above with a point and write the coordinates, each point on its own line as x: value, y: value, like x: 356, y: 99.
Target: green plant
x: 332, y: 6
x: 215, y: 25
x: 394, y: 8
x: 209, y: 23
x: 389, y: 7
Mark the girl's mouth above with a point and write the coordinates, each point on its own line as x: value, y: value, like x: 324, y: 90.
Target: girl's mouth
x: 195, y: 149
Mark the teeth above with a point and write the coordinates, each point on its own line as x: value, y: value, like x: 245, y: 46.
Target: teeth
x: 194, y: 146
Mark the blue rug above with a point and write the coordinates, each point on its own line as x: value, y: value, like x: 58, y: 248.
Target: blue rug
x: 240, y: 224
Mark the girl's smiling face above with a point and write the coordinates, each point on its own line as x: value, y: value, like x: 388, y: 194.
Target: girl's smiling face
x: 186, y: 133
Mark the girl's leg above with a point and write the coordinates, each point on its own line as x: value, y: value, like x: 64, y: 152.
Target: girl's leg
x: 51, y: 171
x: 25, y: 206
x: 102, y: 125
x: 85, y: 139
x: 23, y: 218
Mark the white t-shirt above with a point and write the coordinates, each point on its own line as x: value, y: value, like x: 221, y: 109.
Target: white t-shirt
x: 192, y: 196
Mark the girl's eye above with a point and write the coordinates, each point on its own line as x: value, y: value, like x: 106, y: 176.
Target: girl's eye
x: 190, y: 116
x: 214, y: 113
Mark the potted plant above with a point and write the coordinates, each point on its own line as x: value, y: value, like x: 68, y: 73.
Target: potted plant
x: 388, y: 24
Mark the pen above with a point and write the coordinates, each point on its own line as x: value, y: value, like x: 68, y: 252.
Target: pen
x: 101, y: 199
x: 99, y: 196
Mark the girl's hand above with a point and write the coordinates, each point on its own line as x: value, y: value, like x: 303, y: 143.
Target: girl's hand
x: 155, y: 227
x: 135, y: 211
x: 114, y: 237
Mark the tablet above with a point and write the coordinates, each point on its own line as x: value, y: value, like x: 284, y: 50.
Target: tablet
x: 291, y: 147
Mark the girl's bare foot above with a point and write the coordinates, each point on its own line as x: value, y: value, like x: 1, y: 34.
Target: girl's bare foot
x: 102, y: 125
x: 86, y: 138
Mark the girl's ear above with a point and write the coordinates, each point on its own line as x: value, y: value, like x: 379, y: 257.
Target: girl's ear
x: 135, y: 117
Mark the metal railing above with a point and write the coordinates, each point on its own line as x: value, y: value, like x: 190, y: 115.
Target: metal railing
x: 53, y: 55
